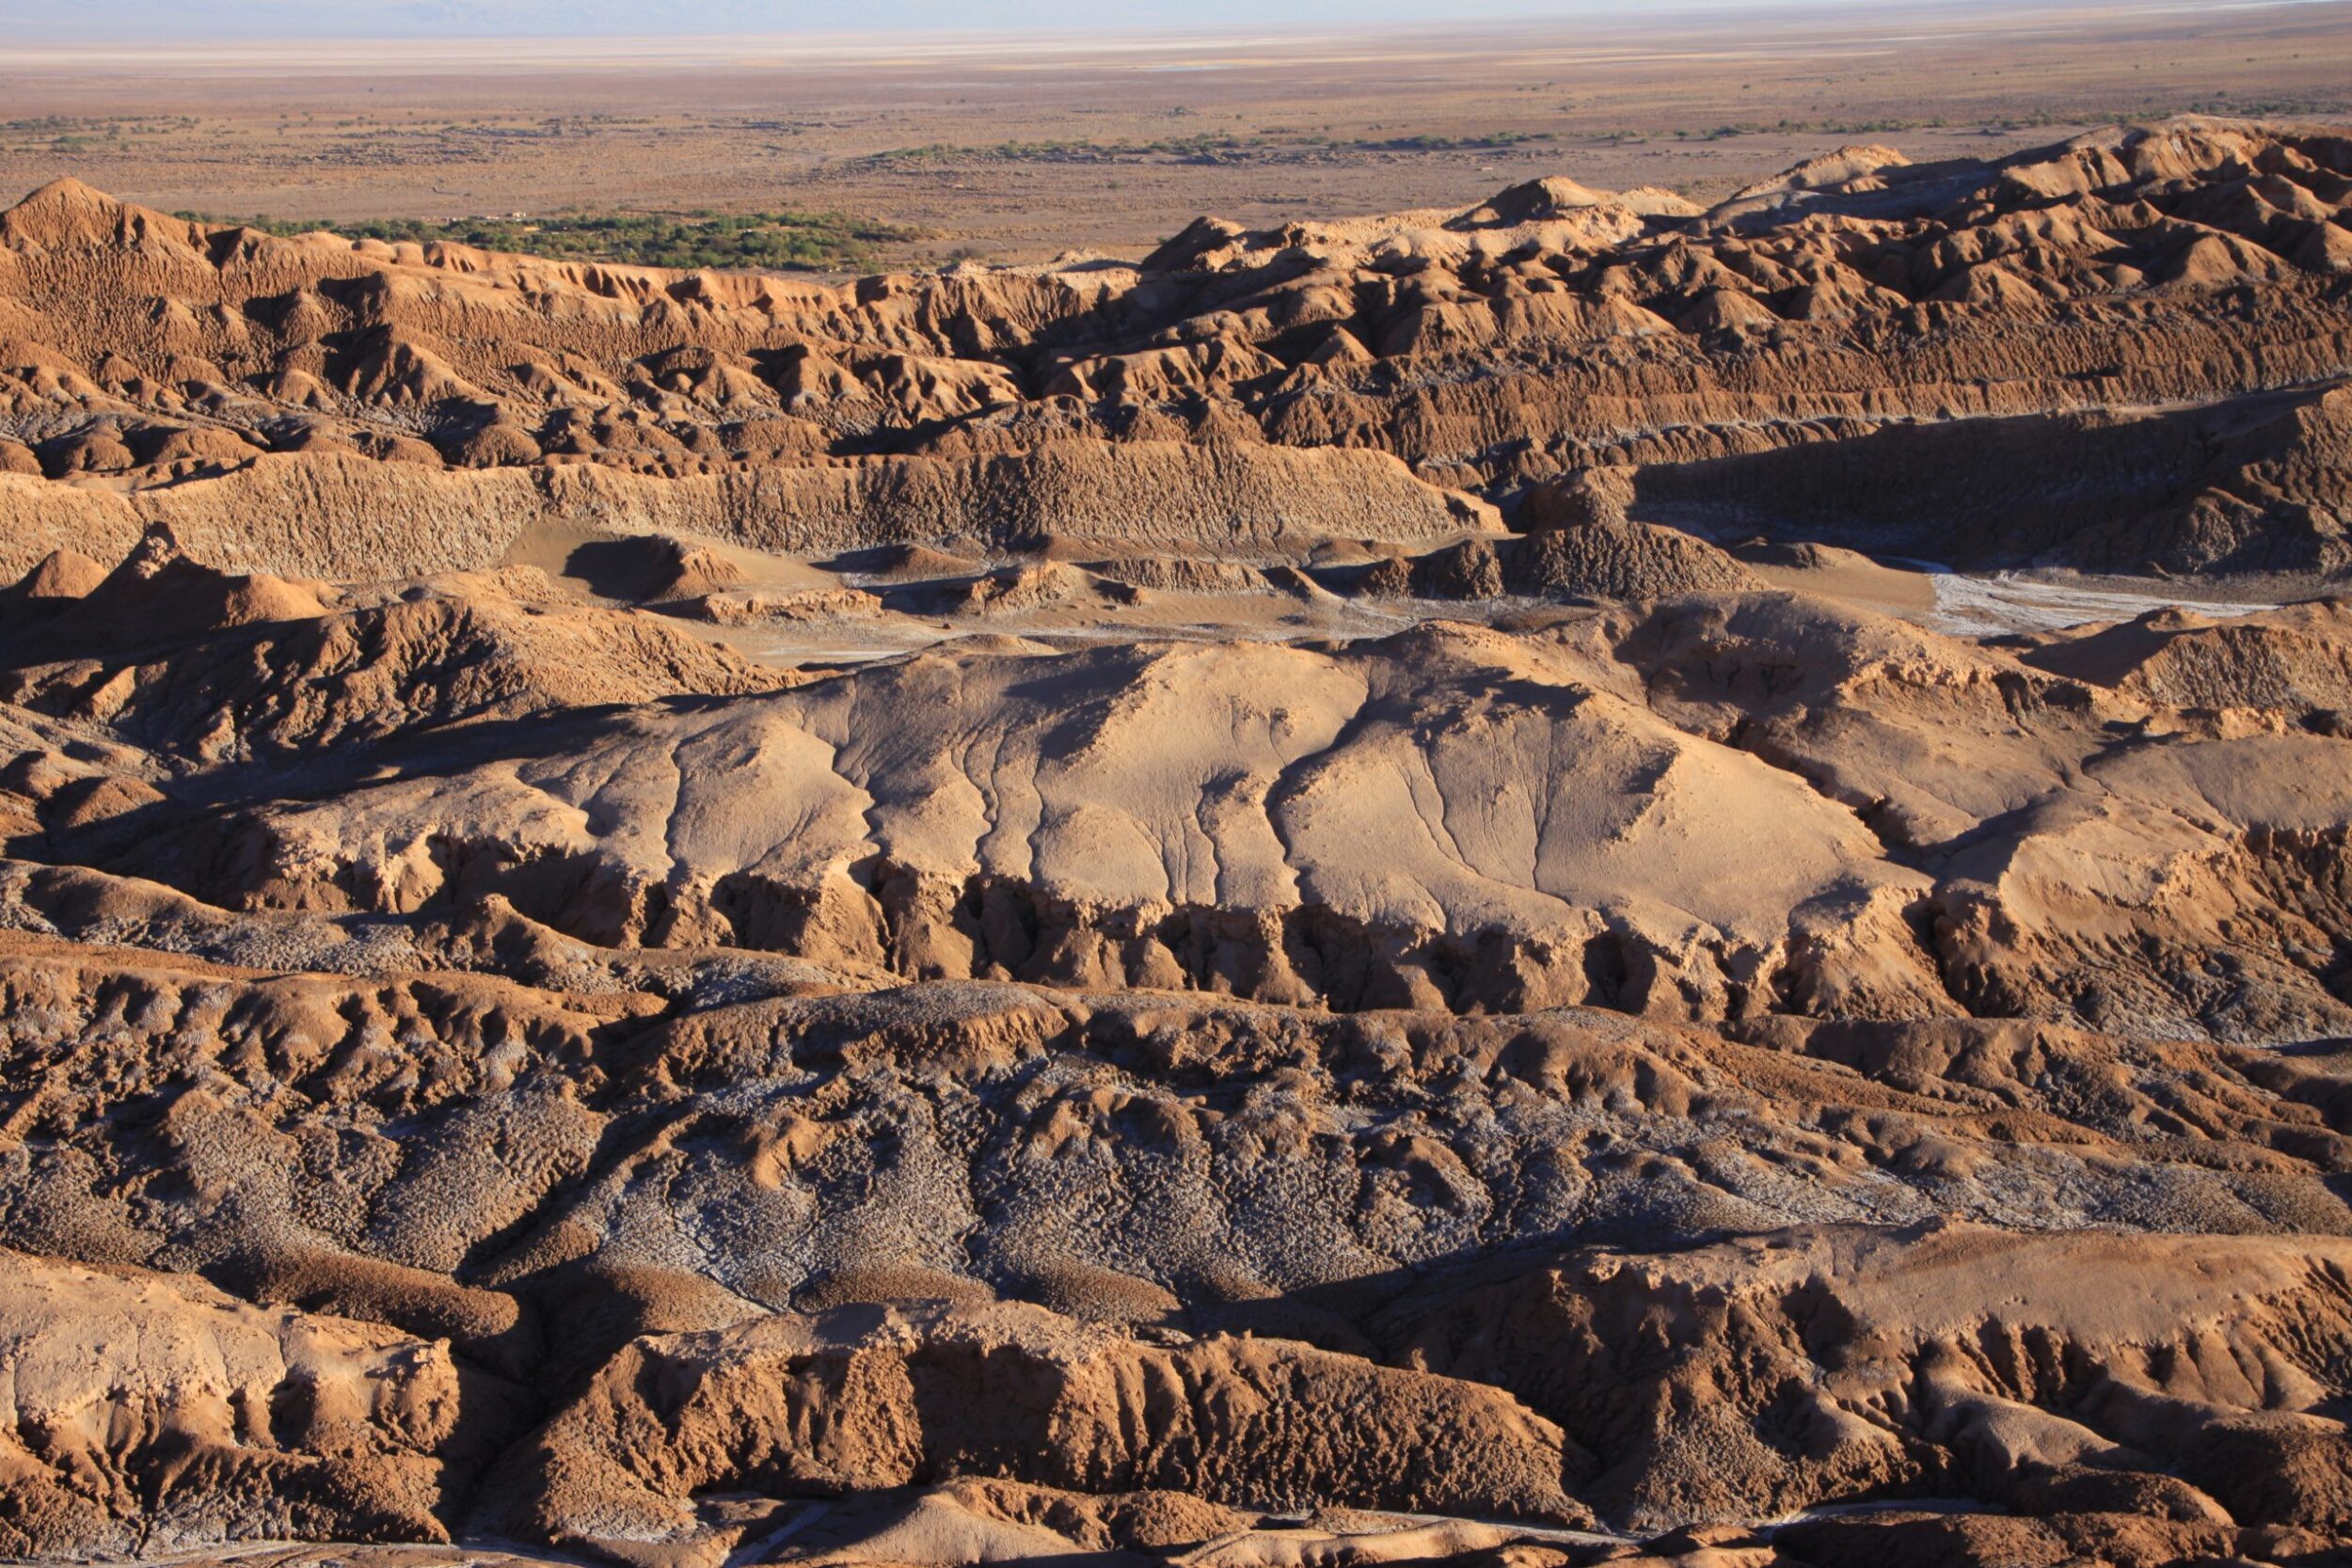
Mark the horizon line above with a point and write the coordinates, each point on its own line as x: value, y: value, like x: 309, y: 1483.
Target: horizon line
x: 48, y: 38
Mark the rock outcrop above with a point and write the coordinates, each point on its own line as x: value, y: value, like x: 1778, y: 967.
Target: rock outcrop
x: 1840, y: 354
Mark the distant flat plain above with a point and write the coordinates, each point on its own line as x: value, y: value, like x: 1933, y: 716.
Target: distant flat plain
x: 1015, y: 149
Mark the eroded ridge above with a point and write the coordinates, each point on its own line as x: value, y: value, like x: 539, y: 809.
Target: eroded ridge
x: 2159, y: 311
x: 1381, y: 982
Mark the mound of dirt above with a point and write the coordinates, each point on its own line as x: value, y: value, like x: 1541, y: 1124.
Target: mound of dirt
x: 145, y: 1412
x: 1625, y: 560
x: 215, y: 666
x: 864, y: 1400
x: 62, y: 574
x: 2295, y: 661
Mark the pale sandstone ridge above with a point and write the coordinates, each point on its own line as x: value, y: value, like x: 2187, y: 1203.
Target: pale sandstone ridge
x: 1706, y: 808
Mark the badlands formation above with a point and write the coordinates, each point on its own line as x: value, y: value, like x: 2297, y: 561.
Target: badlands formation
x: 1324, y: 899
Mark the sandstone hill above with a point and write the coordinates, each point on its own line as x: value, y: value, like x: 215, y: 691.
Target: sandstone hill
x: 1287, y: 906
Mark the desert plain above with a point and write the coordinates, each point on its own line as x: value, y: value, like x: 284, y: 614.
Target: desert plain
x: 1021, y: 147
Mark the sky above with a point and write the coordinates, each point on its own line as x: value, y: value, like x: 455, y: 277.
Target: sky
x: 121, y: 21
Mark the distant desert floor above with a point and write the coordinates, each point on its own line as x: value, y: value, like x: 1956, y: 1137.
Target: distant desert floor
x: 1021, y: 151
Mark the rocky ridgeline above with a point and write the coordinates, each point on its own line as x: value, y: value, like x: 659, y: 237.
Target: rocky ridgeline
x: 342, y: 408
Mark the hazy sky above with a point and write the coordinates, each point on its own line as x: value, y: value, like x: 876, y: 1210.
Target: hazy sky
x: 130, y: 21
